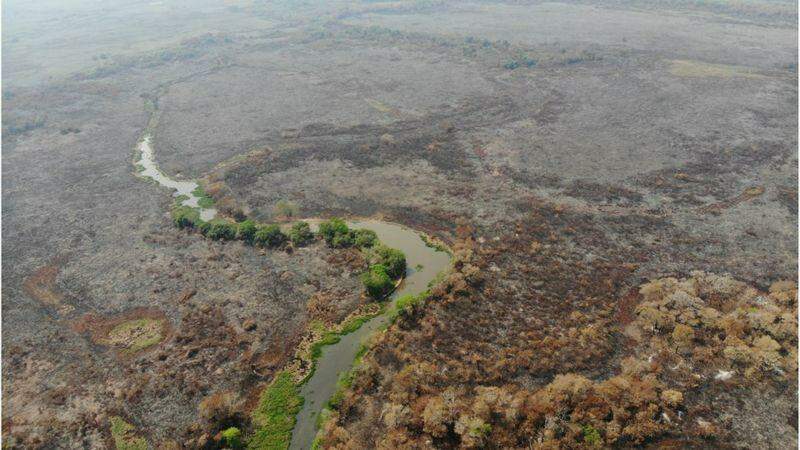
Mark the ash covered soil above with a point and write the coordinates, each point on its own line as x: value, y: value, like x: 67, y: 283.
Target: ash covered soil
x: 618, y: 181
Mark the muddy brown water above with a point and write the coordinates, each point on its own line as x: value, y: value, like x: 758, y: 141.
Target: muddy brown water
x: 424, y: 264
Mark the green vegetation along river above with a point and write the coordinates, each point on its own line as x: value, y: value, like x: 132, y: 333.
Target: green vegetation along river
x: 424, y: 264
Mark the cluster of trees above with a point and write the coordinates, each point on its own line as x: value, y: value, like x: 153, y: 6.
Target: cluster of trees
x: 386, y: 264
x: 269, y: 235
x: 338, y: 235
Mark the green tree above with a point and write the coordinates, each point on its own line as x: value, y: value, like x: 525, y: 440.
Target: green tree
x: 222, y: 230
x: 301, y: 234
x: 247, y: 230
x: 394, y: 260
x: 270, y: 236
x: 332, y: 228
x: 204, y: 228
x: 377, y: 281
x: 185, y: 217
x: 365, y: 238
x: 344, y: 240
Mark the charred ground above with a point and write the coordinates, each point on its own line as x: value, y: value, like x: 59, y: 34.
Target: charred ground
x: 570, y: 152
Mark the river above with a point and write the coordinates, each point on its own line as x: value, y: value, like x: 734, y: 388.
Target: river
x: 424, y: 264
x: 182, y: 188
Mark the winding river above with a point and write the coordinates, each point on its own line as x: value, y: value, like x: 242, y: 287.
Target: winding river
x: 424, y: 264
x: 148, y: 169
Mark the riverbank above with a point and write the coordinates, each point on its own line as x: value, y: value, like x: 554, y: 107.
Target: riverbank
x: 288, y: 411
x: 425, y: 264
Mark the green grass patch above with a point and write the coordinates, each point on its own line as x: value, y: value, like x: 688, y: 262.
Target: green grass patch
x: 137, y: 334
x: 185, y: 217
x: 276, y: 413
x: 328, y: 338
x: 344, y: 383
x: 406, y: 305
x: 124, y: 437
x: 591, y: 436
x: 434, y: 245
x: 203, y: 200
x: 232, y: 438
x: 317, y: 444
x: 354, y: 324
x: 139, y: 168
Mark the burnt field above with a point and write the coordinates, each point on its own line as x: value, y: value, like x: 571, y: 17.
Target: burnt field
x: 618, y: 181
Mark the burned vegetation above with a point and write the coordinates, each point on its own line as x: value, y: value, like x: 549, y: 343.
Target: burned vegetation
x: 541, y: 348
x: 617, y: 181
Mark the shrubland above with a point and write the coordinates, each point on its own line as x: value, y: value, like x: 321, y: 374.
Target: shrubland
x: 500, y: 359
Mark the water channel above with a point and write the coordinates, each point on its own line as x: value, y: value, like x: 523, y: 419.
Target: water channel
x: 424, y: 264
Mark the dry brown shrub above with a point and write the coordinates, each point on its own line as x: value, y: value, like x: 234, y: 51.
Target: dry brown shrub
x: 220, y: 408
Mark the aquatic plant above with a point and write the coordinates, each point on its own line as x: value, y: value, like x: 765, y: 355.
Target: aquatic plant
x: 275, y: 415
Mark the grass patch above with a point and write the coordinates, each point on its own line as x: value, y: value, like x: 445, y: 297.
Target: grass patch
x: 317, y: 444
x: 328, y: 338
x: 232, y: 438
x: 137, y: 334
x: 591, y: 436
x: 344, y: 383
x: 124, y: 439
x: 333, y: 337
x: 439, y: 277
x: 354, y: 324
x: 203, y: 200
x: 434, y: 245
x: 406, y: 304
x: 285, y: 209
x: 139, y: 168
x: 276, y: 413
x: 690, y: 68
x: 185, y: 216
x: 280, y: 403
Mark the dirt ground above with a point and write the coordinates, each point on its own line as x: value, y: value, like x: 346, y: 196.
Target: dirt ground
x: 572, y: 151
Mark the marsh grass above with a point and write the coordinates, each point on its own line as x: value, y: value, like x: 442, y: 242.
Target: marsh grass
x: 275, y: 415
